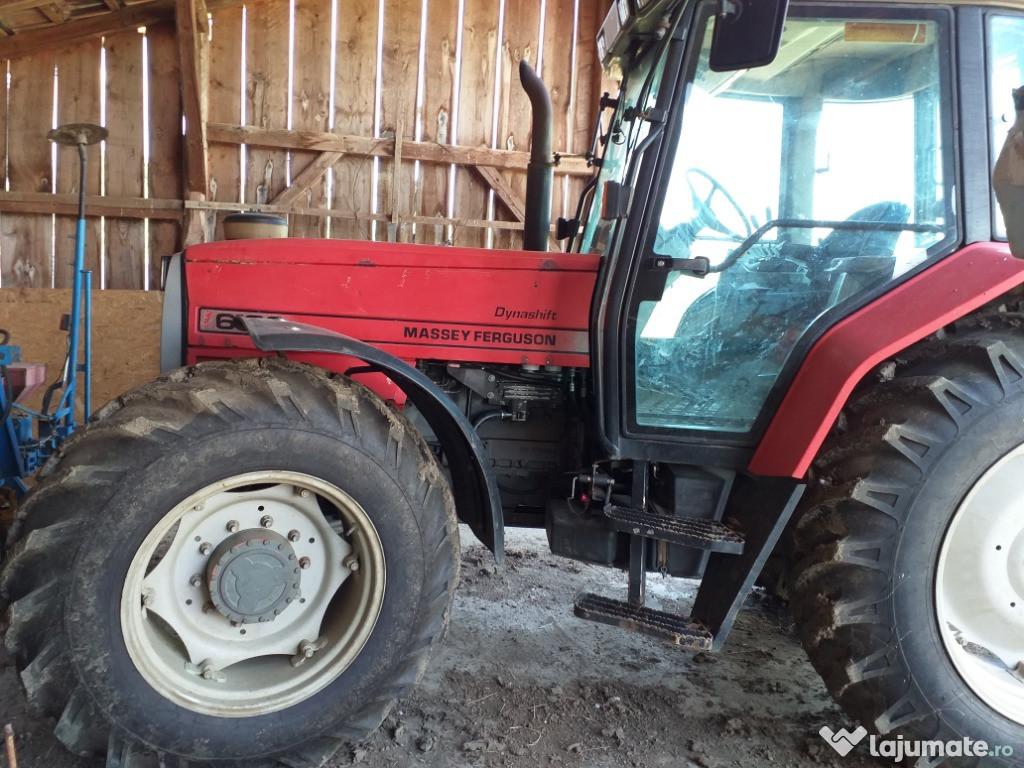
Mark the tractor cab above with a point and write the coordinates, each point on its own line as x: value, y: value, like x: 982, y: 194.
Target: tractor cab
x: 742, y: 213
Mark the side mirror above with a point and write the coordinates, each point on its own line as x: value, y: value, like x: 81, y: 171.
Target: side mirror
x: 747, y: 33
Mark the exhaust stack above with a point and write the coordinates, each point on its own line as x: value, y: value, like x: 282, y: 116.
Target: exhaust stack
x: 541, y: 170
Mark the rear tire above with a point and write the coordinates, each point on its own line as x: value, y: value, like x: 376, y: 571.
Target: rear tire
x: 893, y: 488
x: 182, y: 563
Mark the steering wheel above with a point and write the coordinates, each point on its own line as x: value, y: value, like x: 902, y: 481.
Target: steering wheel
x: 704, y: 205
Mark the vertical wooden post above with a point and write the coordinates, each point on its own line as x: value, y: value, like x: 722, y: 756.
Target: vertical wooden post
x: 194, y: 50
x: 396, y: 184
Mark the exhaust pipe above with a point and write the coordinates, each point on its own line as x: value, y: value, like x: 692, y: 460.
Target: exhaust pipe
x: 541, y: 170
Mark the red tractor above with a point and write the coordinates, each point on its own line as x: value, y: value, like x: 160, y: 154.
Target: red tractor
x: 783, y: 341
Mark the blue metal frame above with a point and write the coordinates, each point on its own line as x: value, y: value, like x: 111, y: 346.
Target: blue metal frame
x: 27, y: 437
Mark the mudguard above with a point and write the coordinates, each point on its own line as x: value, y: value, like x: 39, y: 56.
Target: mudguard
x: 473, y: 483
x: 847, y: 352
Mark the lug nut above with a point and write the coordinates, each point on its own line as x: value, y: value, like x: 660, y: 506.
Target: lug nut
x: 351, y: 563
x: 205, y: 548
x: 304, y: 493
x: 294, y: 536
x: 233, y: 526
x: 196, y: 580
x: 198, y: 507
x: 266, y: 521
x: 148, y: 598
x: 208, y: 606
x: 304, y: 563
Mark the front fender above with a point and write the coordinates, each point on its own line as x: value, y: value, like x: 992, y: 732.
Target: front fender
x: 473, y: 483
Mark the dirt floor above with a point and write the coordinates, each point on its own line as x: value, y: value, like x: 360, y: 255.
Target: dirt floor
x: 520, y: 682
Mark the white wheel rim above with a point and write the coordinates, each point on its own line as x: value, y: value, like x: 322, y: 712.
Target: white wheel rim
x: 174, y: 633
x: 979, y: 588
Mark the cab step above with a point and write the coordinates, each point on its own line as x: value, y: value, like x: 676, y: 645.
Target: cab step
x: 698, y: 533
x: 677, y: 630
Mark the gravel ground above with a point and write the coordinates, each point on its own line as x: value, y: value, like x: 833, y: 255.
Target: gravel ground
x: 521, y: 682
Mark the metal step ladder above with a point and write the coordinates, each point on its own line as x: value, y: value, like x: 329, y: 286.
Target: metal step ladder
x: 736, y: 559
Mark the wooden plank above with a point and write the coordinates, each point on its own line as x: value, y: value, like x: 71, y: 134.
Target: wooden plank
x: 354, y: 89
x: 438, y: 97
x: 311, y: 175
x: 222, y: 133
x: 266, y: 96
x: 55, y: 12
x: 193, y: 74
x: 396, y: 183
x: 53, y: 38
x: 476, y: 112
x: 508, y: 197
x: 165, y: 142
x: 557, y: 72
x: 342, y: 213
x: 521, y: 41
x: 400, y: 64
x: 504, y: 192
x: 311, y: 101
x: 589, y: 86
x: 26, y: 240
x: 66, y: 205
x: 8, y: 7
x: 78, y: 101
x: 225, y: 95
x: 126, y: 246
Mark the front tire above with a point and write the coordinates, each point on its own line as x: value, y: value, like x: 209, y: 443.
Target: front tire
x: 241, y: 563
x: 908, y: 587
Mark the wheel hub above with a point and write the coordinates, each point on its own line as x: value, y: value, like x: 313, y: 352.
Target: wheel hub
x: 213, y: 611
x: 979, y: 588
x: 252, y: 576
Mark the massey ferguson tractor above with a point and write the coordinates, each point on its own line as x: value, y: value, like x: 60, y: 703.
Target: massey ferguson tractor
x: 783, y: 339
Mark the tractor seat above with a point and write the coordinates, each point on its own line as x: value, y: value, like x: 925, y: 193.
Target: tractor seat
x: 25, y: 378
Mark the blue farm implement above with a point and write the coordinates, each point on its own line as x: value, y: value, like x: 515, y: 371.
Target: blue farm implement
x: 28, y: 437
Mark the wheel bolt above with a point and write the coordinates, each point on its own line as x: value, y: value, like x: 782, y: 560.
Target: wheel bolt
x: 304, y: 493
x: 304, y: 563
x: 148, y: 598
x: 232, y: 526
x: 205, y: 548
x: 266, y: 521
x: 198, y: 507
x: 293, y: 536
x: 208, y: 606
x: 196, y: 580
x: 351, y: 563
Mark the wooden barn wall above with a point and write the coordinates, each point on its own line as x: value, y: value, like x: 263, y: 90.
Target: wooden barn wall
x: 100, y: 81
x: 421, y: 72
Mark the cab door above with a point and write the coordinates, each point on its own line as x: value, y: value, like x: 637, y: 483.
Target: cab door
x: 783, y: 198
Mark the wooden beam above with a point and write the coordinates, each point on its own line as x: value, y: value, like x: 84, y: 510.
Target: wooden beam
x: 14, y: 6
x: 55, y: 12
x: 49, y: 38
x: 194, y: 51
x: 309, y: 176
x: 344, y: 213
x: 504, y: 191
x: 396, y: 181
x: 114, y: 5
x: 507, y: 195
x: 95, y: 205
x: 424, y: 151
